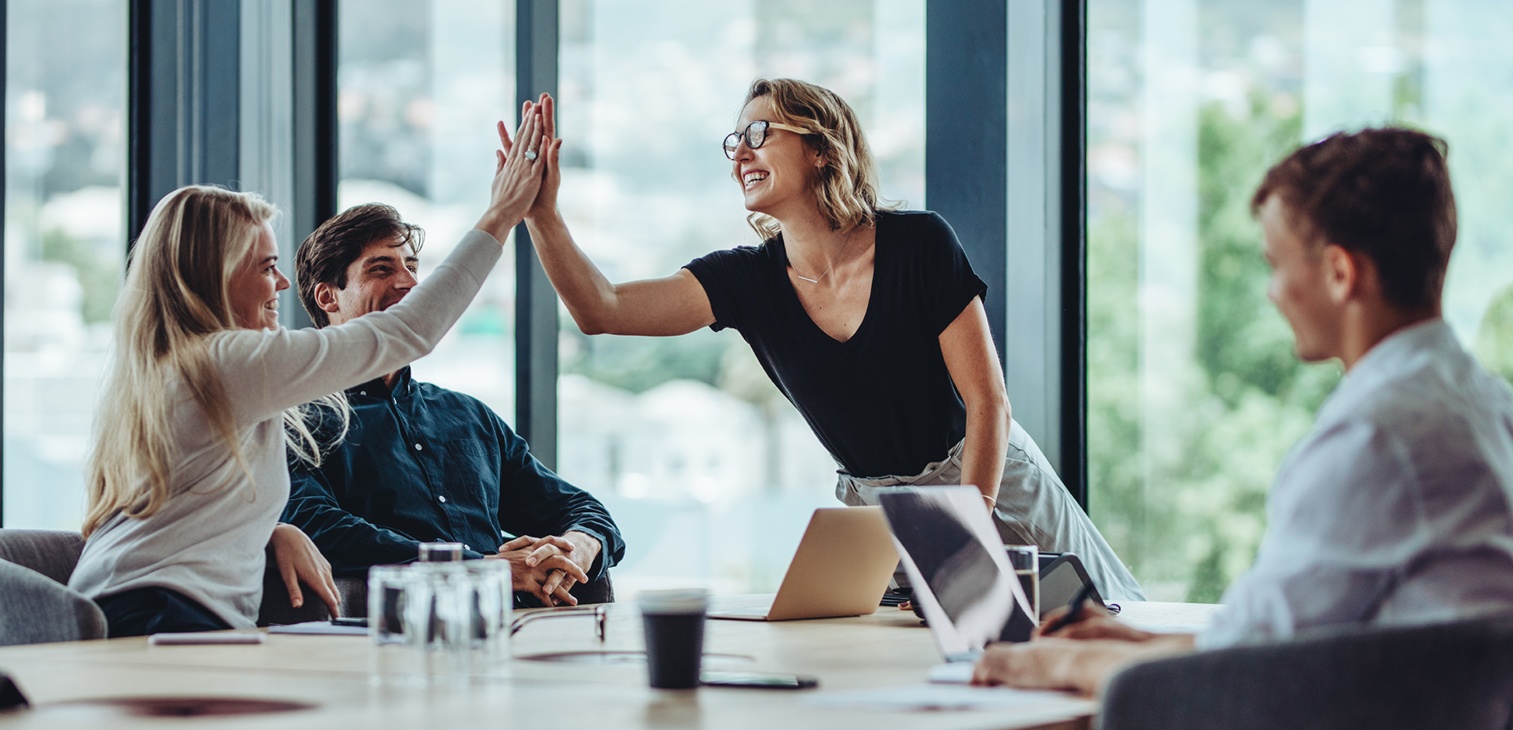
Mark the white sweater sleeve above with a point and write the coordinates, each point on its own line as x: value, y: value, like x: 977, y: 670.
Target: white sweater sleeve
x: 267, y: 371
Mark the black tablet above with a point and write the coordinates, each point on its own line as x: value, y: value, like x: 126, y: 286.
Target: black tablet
x: 1060, y: 579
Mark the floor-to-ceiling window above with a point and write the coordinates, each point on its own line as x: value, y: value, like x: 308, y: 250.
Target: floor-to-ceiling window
x: 65, y: 247
x: 1194, y: 395
x: 710, y: 473
x: 420, y: 84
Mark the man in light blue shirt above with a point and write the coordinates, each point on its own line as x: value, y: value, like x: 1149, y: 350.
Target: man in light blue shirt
x: 1394, y: 510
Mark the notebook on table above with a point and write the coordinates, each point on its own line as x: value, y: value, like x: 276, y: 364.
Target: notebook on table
x: 841, y: 568
x: 962, y: 579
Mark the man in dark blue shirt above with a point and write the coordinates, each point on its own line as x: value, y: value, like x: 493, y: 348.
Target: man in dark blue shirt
x: 421, y: 463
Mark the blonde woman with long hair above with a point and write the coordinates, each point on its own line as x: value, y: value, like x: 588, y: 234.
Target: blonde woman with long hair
x: 188, y: 476
x: 869, y: 320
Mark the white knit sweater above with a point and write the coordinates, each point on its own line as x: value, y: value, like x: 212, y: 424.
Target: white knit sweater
x: 207, y: 541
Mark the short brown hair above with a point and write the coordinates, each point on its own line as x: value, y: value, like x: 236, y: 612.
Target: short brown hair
x: 331, y: 248
x: 1384, y: 193
x: 847, y: 185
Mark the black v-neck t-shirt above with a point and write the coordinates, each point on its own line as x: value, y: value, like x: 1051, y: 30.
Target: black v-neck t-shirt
x: 881, y: 402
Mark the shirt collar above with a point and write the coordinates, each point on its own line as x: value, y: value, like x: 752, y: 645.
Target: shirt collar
x: 1388, y: 358
x: 376, y: 388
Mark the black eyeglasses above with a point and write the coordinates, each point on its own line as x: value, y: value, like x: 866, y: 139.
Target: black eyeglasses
x: 599, y: 612
x: 756, y: 134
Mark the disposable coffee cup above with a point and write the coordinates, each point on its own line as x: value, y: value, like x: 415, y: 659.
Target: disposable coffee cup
x: 674, y: 624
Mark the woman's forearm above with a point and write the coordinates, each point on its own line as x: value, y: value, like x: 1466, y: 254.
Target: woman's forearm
x: 986, y: 444
x: 590, y: 296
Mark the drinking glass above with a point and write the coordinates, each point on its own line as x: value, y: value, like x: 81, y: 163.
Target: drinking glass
x: 440, y: 552
x: 438, y: 622
x: 1025, y: 560
x: 392, y: 657
x: 492, y: 596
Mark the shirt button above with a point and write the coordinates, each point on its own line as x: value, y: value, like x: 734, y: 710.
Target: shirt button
x: 362, y: 392
x: 417, y: 447
x: 466, y: 546
x: 442, y: 499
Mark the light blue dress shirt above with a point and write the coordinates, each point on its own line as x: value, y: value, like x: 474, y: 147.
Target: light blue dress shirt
x: 1395, y: 509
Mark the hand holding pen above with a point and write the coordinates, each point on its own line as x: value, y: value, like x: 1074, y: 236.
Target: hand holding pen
x: 1082, y: 621
x: 1073, y: 607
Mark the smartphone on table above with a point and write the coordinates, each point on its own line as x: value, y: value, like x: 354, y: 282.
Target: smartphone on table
x: 758, y: 680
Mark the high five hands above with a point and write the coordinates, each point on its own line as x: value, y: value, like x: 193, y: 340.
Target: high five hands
x: 547, y: 154
x: 519, y: 173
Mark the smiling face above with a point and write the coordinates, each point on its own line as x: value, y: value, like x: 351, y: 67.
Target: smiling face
x: 1302, y: 283
x: 253, y: 289
x: 780, y: 173
x: 382, y: 275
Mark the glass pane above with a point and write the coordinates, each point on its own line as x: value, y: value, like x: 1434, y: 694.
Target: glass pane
x: 419, y: 87
x: 709, y: 471
x: 65, y: 246
x: 1194, y: 393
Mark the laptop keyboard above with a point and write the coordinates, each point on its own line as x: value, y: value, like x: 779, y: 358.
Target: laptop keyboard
x: 755, y: 606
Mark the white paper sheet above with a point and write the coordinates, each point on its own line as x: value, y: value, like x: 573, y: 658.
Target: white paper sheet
x: 323, y: 628
x: 953, y: 673
x: 947, y: 697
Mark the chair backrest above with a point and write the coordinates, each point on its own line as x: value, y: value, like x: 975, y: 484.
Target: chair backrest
x: 275, y: 608
x: 1456, y: 675
x: 53, y: 553
x: 35, y: 609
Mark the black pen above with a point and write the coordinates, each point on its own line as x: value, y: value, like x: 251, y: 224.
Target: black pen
x: 1072, y: 608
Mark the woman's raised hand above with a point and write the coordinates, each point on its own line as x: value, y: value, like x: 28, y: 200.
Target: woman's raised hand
x: 518, y: 172
x: 551, y: 147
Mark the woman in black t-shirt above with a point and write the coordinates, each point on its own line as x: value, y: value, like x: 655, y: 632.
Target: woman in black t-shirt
x: 870, y: 321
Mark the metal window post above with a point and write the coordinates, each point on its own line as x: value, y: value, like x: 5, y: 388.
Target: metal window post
x: 1003, y: 164
x: 183, y: 127
x: 315, y: 127
x: 535, y: 300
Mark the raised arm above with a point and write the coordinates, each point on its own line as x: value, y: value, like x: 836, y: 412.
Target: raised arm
x: 672, y: 305
x: 266, y: 371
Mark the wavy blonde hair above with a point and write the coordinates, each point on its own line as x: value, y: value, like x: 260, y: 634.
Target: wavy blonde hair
x: 847, y: 184
x: 175, y: 297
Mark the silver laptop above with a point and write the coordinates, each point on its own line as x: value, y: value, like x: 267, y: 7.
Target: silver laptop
x: 961, y: 577
x: 841, y: 568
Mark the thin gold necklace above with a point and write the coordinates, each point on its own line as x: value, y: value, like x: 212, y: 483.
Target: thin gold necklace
x: 844, y: 247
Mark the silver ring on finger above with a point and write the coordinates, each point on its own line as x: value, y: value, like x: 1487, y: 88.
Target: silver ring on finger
x: 531, y: 155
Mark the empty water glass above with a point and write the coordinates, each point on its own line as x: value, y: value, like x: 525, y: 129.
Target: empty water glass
x: 440, y: 552
x: 439, y: 622
x: 392, y: 657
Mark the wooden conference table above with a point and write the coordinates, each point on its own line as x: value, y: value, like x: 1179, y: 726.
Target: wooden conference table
x: 326, y: 677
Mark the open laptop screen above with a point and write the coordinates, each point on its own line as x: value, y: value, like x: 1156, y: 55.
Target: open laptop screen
x: 955, y: 561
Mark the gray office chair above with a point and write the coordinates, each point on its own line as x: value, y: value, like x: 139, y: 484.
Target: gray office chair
x: 36, y: 605
x: 34, y: 611
x: 275, y: 609
x: 53, y: 553
x: 1456, y: 675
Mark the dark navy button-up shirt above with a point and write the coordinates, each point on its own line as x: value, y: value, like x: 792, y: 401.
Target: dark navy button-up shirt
x: 426, y: 464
